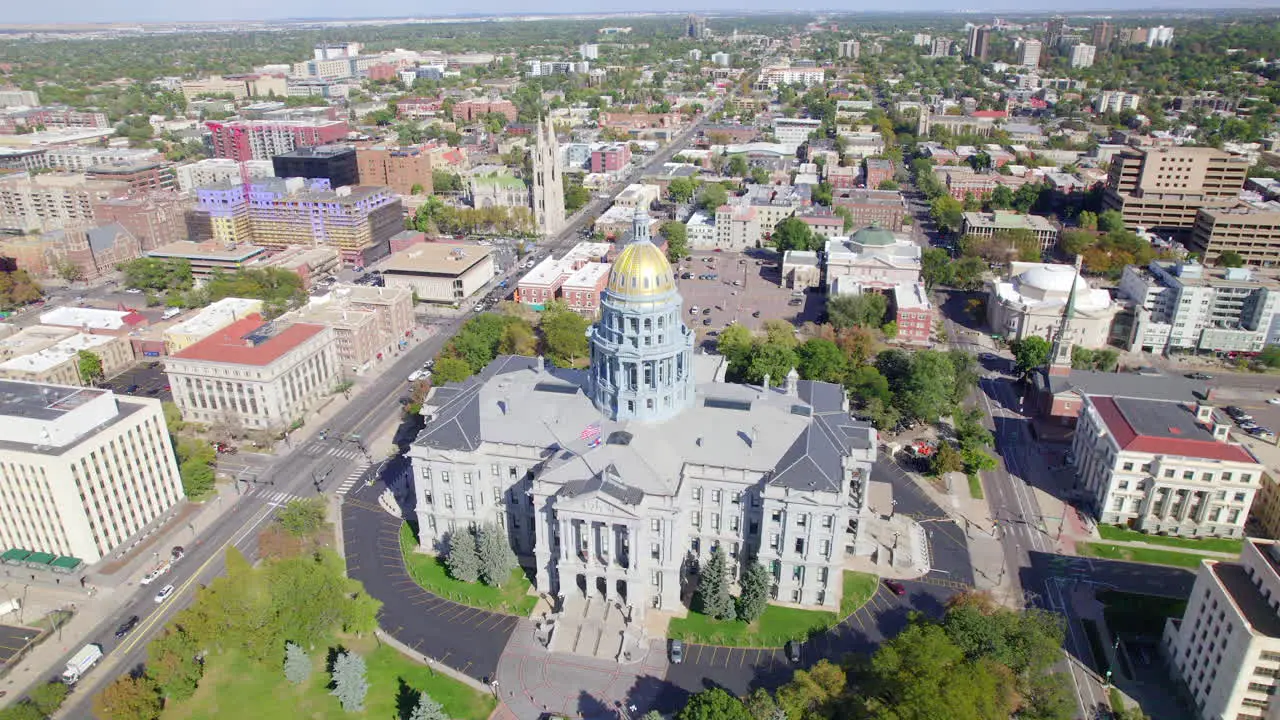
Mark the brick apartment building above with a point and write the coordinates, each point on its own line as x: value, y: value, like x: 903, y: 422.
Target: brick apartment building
x: 472, y: 110
x: 263, y: 140
x: 399, y: 168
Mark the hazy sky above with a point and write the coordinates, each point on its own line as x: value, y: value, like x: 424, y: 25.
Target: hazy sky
x: 72, y: 11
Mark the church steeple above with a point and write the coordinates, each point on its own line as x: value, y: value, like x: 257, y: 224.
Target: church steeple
x: 1060, y: 354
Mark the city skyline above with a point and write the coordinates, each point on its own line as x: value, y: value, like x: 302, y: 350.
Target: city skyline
x: 154, y: 11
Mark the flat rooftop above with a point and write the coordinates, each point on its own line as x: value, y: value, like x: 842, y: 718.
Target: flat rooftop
x: 37, y: 401
x: 435, y: 259
x: 1125, y: 384
x: 588, y: 275
x: 1234, y: 579
x: 91, y: 318
x: 250, y: 342
x: 210, y: 250
x: 216, y: 316
x: 55, y: 354
x: 1001, y: 220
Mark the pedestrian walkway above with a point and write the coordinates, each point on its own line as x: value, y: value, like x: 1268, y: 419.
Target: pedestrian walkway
x: 334, y: 448
x: 355, y: 477
x: 270, y: 496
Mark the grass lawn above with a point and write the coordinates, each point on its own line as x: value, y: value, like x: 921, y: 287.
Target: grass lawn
x: 430, y: 572
x: 234, y: 688
x: 975, y: 487
x: 1137, y: 614
x: 858, y: 589
x: 1142, y: 555
x: 1225, y: 545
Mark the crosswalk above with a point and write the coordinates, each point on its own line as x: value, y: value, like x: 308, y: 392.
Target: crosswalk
x: 352, y: 479
x: 345, y: 451
x: 269, y: 496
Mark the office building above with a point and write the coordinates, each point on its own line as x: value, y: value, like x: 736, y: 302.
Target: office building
x: 95, y: 321
x: 1186, y: 307
x: 979, y: 44
x: 254, y: 374
x: 850, y: 49
x: 638, y: 195
x: 1250, y: 230
x: 369, y: 324
x: 577, y: 278
x: 209, y: 256
x: 657, y: 461
x: 941, y: 47
x: 1225, y: 648
x: 105, y: 464
x: 773, y: 76
x: 1029, y: 53
x: 921, y: 39
x: 58, y: 363
x: 1082, y: 55
x: 52, y: 201
x: 695, y: 28
x: 310, y: 264
x: 885, y: 208
x: 403, y: 169
x: 794, y: 132
x: 611, y: 158
x: 1103, y: 35
x: 140, y: 178
x: 220, y: 171
x: 335, y: 163
x: 1160, y: 466
x: 79, y: 158
x: 440, y: 272
x: 207, y: 321
x: 1053, y: 30
x: 990, y: 224
x: 589, y: 51
x: 1115, y: 101
x: 475, y: 110
x: 263, y: 140
x: 53, y: 120
x: 1162, y: 189
x: 720, y: 59
x: 748, y: 221
x: 1033, y: 299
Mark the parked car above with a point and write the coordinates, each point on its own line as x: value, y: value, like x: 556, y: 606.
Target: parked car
x: 677, y: 652
x: 127, y: 627
x: 1199, y: 376
x: 164, y: 593
x: 177, y: 552
x: 895, y: 587
x: 755, y: 314
x: 1273, y: 401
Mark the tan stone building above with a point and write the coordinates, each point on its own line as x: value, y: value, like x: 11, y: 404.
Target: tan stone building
x: 369, y: 323
x: 1162, y: 188
x: 1253, y: 232
x: 47, y: 202
x: 399, y: 168
x: 39, y: 357
x: 440, y: 272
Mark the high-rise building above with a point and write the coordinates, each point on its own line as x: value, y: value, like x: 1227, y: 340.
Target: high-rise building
x: 941, y: 47
x: 1029, y: 55
x: 1114, y: 101
x: 1103, y: 35
x: 1162, y: 189
x: 720, y: 58
x: 335, y: 163
x: 922, y: 40
x: 589, y: 51
x: 263, y: 140
x: 105, y: 465
x: 155, y: 218
x: 213, y: 171
x: 979, y: 42
x: 1252, y: 231
x: 1053, y: 30
x: 403, y: 169
x: 1160, y: 36
x: 548, y: 187
x: 695, y: 27
x: 1082, y: 55
x: 1226, y: 646
x: 51, y: 201
x: 850, y: 49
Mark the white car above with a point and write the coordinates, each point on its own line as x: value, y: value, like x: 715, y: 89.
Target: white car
x: 149, y: 577
x: 693, y: 310
x: 133, y: 291
x: 1273, y: 401
x: 164, y: 594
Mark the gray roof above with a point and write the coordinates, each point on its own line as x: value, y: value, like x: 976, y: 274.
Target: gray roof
x: 1123, y: 384
x: 103, y: 237
x: 1255, y: 608
x: 796, y: 440
x: 1161, y: 418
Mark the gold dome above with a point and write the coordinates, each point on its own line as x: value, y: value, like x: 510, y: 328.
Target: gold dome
x: 641, y: 270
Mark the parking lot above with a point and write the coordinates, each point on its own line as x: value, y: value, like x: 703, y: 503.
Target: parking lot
x: 13, y: 640
x: 142, y: 380
x: 757, y: 295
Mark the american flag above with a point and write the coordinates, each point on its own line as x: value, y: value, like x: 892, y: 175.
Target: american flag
x: 590, y: 431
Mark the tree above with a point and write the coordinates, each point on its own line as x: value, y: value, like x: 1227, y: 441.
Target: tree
x: 1230, y: 259
x: 1030, y: 353
x: 69, y: 271
x: 968, y: 273
x: 756, y: 582
x: 17, y: 288
x: 713, y: 704
x: 761, y: 705
x: 820, y: 359
x: 350, y: 684
x: 792, y: 234
x: 681, y: 189
x: 24, y: 709
x: 866, y: 310
x: 495, y: 555
x: 1088, y: 220
x: 713, y: 587
x: 416, y: 189
x: 450, y: 369
x: 947, y: 212
x: 518, y: 338
x: 770, y: 360
x: 172, y: 663
x: 865, y: 383
x: 935, y: 268
x: 822, y: 194
x: 946, y: 459
x: 428, y: 709
x: 1270, y: 356
x: 888, y: 185
x: 1110, y: 221
x: 890, y: 330
x: 303, y: 516
x: 1104, y: 360
x: 779, y: 332
x: 926, y: 393
x: 811, y: 689
x: 297, y: 666
x: 90, y: 367
x: 463, y: 559
x: 677, y: 236
x: 712, y: 196
x: 47, y: 698
x: 735, y: 343
x: 564, y: 335
x: 198, y: 478
x: 738, y: 166
x: 1001, y: 198
x: 1076, y: 242
x: 128, y: 698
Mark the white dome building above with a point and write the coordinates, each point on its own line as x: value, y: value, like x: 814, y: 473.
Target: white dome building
x: 1034, y: 297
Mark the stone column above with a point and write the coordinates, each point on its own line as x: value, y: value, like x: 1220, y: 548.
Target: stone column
x: 566, y: 538
x: 1186, y: 507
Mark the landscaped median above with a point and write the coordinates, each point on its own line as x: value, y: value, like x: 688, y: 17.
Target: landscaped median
x: 1132, y: 553
x: 777, y: 624
x: 429, y: 572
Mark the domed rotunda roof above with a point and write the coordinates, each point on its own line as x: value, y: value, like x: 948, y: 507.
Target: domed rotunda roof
x: 641, y: 271
x: 1050, y: 279
x: 873, y: 235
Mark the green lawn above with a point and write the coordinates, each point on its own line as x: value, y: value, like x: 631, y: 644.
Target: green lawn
x: 1137, y: 614
x: 233, y: 688
x: 975, y: 487
x: 1142, y: 555
x: 1225, y: 545
x: 430, y: 572
x: 858, y: 589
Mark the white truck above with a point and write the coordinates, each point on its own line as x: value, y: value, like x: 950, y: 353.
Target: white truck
x: 79, y: 664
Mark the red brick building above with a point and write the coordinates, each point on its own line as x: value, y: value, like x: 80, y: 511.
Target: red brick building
x: 912, y: 313
x: 156, y: 219
x: 142, y: 177
x: 877, y: 170
x: 417, y: 107
x: 610, y: 159
x: 472, y: 110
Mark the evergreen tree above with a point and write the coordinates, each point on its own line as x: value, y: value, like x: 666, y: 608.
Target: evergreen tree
x: 713, y: 587
x: 428, y: 709
x: 463, y: 560
x: 349, y: 682
x: 496, y: 558
x: 755, y: 592
x: 297, y: 666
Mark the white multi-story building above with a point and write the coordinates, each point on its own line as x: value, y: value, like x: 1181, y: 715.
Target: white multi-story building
x: 921, y: 39
x: 254, y: 375
x: 12, y: 97
x: 589, y: 51
x: 700, y: 229
x: 749, y: 220
x: 1115, y: 101
x: 1029, y: 53
x: 84, y: 471
x: 1033, y: 299
x: 850, y: 49
x: 616, y: 483
x: 794, y: 132
x: 1083, y: 55
x: 1186, y: 307
x: 1160, y: 36
x: 873, y: 259
x: 720, y: 58
x: 78, y: 158
x: 772, y: 77
x: 220, y: 171
x: 1162, y: 466
x: 1226, y: 646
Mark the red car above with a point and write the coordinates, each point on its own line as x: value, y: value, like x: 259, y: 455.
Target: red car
x: 896, y: 587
